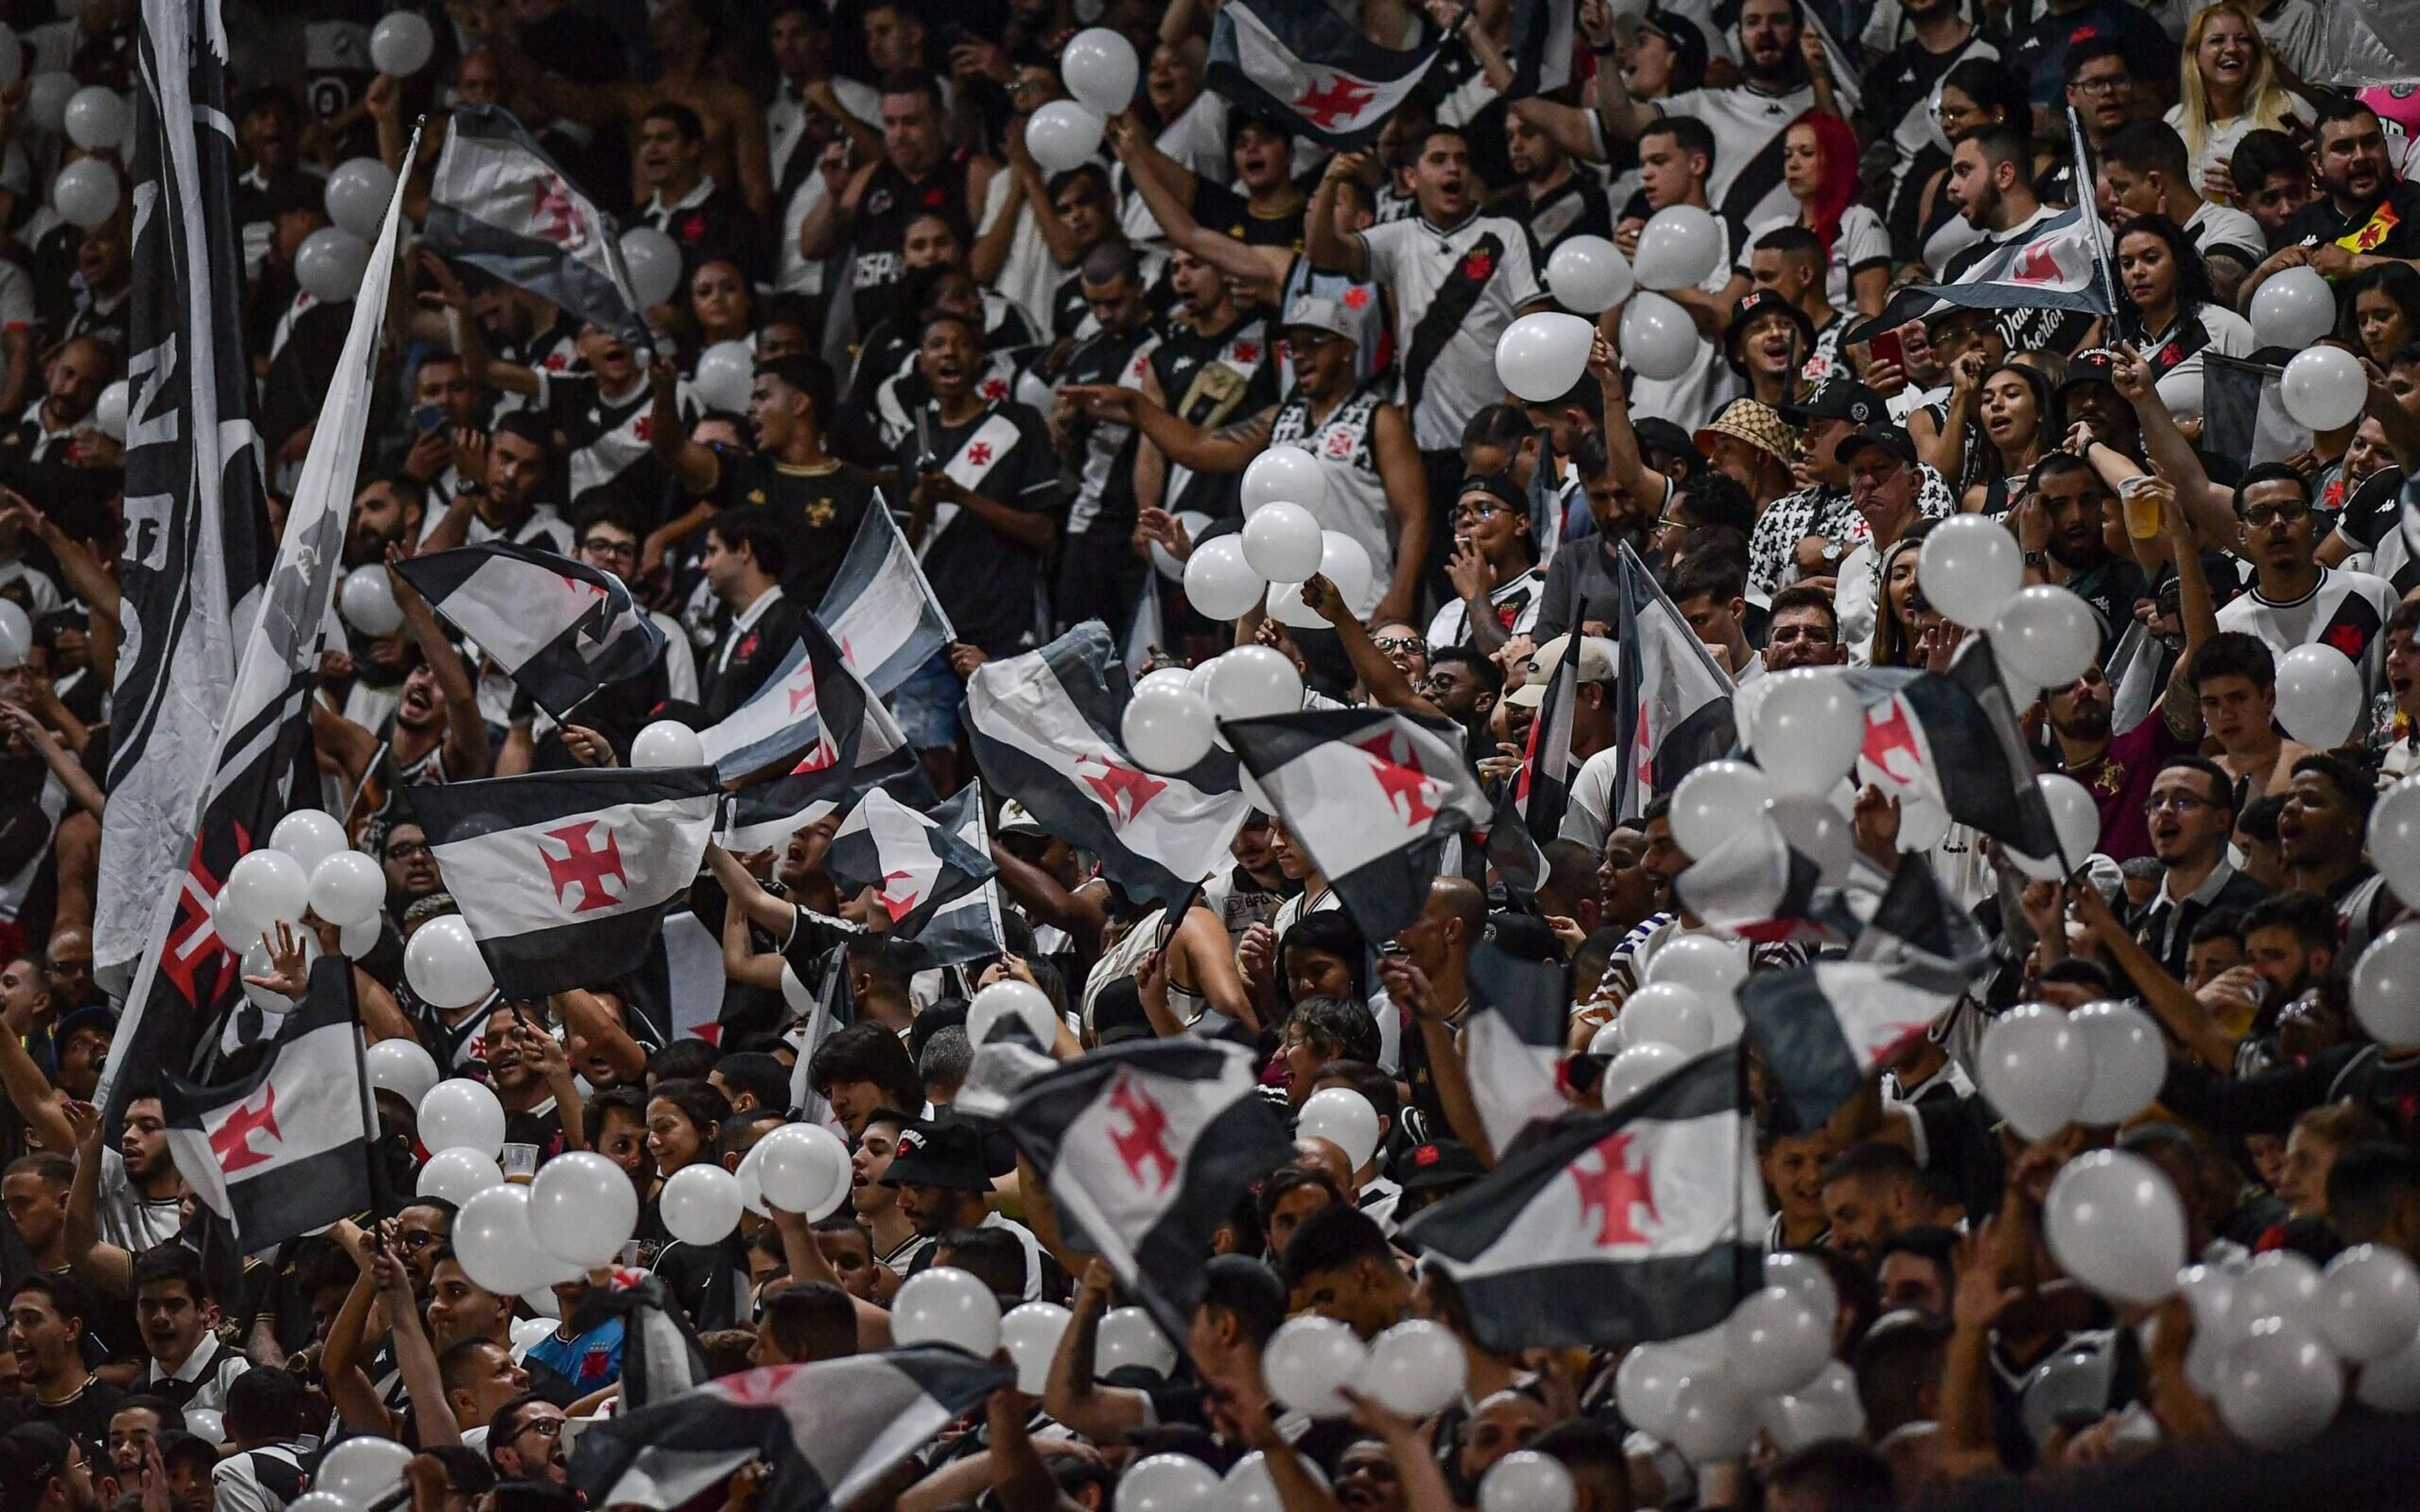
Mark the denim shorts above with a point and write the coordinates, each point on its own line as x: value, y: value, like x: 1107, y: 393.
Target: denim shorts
x: 927, y: 704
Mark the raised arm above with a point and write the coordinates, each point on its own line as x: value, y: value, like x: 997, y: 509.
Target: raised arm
x: 1258, y: 272
x: 1407, y: 499
x: 103, y: 1264
x: 1229, y: 449
x: 1323, y: 243
x: 1410, y: 987
x: 1074, y: 1397
x: 697, y: 467
x: 2178, y: 1010
x: 1644, y: 484
x: 2210, y: 507
x: 747, y: 895
x: 1386, y: 682
x: 466, y: 728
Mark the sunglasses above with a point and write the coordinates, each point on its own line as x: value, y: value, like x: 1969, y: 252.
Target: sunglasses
x: 1400, y: 643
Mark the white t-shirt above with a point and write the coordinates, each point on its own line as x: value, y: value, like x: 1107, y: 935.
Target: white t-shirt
x: 1415, y: 259
x: 1522, y: 593
x: 2219, y: 138
x: 2214, y: 226
x: 1743, y: 122
x: 2230, y: 335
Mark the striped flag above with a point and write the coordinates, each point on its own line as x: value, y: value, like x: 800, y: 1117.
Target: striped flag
x: 559, y: 628
x: 1545, y: 784
x: 912, y: 863
x: 564, y: 877
x: 1513, y: 1037
x: 1311, y: 68
x: 1642, y: 1223
x: 284, y: 1151
x: 1921, y: 727
x: 499, y: 204
x: 966, y: 928
x: 880, y: 607
x: 1672, y: 703
x: 1755, y: 885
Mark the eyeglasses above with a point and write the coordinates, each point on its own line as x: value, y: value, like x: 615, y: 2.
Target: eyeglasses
x: 406, y: 851
x: 2109, y: 85
x: 2260, y: 516
x: 599, y: 546
x: 1400, y: 643
x: 550, y: 1427
x: 417, y: 1239
x: 2181, y: 802
x: 1479, y: 511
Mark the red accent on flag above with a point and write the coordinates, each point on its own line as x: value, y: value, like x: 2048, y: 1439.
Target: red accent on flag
x: 584, y: 865
x: 1338, y: 101
x: 1396, y: 763
x: 898, y: 907
x: 559, y: 217
x: 232, y: 1140
x: 1891, y: 743
x: 1144, y: 1140
x: 2036, y: 265
x: 1613, y: 1189
x: 1124, y: 790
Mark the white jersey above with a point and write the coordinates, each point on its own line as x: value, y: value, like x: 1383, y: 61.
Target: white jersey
x: 1417, y: 261
x: 2345, y: 609
x: 1356, y: 501
x: 1745, y: 124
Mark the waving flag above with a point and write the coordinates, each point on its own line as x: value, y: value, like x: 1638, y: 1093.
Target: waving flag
x: 1543, y: 787
x: 829, y: 1431
x: 1822, y: 1027
x: 1045, y: 730
x: 1148, y: 1146
x: 1921, y: 727
x: 498, y: 203
x: 1372, y: 794
x: 1643, y: 1222
x: 1755, y: 885
x: 816, y: 717
x: 1513, y: 1037
x: 880, y: 607
x: 564, y: 877
x: 1672, y: 703
x: 284, y: 1151
x: 966, y: 928
x: 1311, y: 68
x: 559, y: 628
x: 913, y: 865
x: 2054, y: 266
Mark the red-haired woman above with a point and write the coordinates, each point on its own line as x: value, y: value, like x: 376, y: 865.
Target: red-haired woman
x: 1819, y: 165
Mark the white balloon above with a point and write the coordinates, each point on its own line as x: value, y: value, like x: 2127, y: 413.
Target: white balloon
x: 361, y: 1470
x: 1588, y: 274
x: 458, y: 1175
x: 258, y: 963
x: 1713, y: 966
x: 367, y: 598
x: 2386, y: 988
x: 2394, y: 840
x: 1710, y: 1422
x: 2279, y: 1387
x: 726, y: 372
x: 1922, y: 822
x: 1165, y: 1483
x: 1818, y: 830
x: 207, y: 1426
x: 582, y: 1208
x: 1248, y: 1489
x: 1195, y: 522
x: 2129, y: 1062
x: 1028, y: 1005
x: 1218, y: 582
x: 947, y: 1305
x: 653, y: 260
x: 1777, y: 1339
x: 2035, y: 1065
x: 2114, y: 1223
x: 310, y: 836
x: 1607, y: 1040
x: 499, y: 1249
x: 2073, y: 815
x: 320, y: 1501
x: 803, y: 1168
x: 2292, y: 308
x: 1799, y: 1273
x: 1064, y: 135
x: 2282, y: 1285
x: 1715, y: 802
x: 1658, y: 339
x: 358, y: 195
x: 2073, y: 1383
x: 1343, y: 562
x: 2045, y: 637
x: 1345, y: 1118
x: 1416, y: 1369
x: 265, y: 888
x: 667, y: 743
x: 1808, y: 728
x: 2324, y: 388
x: 46, y: 99
x: 1250, y: 681
x: 1283, y: 542
x: 16, y: 635
x: 330, y: 264
x: 1528, y: 1481
x: 442, y: 965
x: 1969, y: 567
x: 1031, y: 1335
x: 1636, y: 1068
x: 1665, y: 1013
x: 700, y: 1204
x: 403, y: 1068
x: 1167, y: 728
x: 109, y: 410
x: 347, y: 889
x: 461, y: 1113
x: 400, y: 44
x: 1541, y: 356
x: 1286, y: 474
x: 1827, y: 1406
x: 1128, y: 1337
x: 357, y: 940
x: 1679, y: 247
x: 2370, y: 1302
x: 2389, y: 1383
x: 2217, y: 1323
x: 1307, y: 1359
x: 2319, y: 695
x: 1100, y: 68
x: 1644, y: 1385
x: 95, y: 118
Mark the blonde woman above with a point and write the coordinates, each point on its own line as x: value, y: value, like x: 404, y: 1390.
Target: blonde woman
x: 2228, y: 87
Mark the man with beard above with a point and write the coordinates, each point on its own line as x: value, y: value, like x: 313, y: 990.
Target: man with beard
x: 1099, y: 572
x: 1899, y: 95
x: 938, y: 1170
x: 2191, y: 813
x: 435, y: 734
x: 2117, y: 770
x: 1215, y: 362
x: 2064, y: 520
x: 530, y: 1075
x: 1991, y: 181
x: 1555, y: 199
x: 1747, y: 120
x: 2367, y: 216
x: 815, y: 500
x: 2293, y: 600
x: 866, y: 212
x: 1801, y: 537
x: 1459, y: 277
x: 70, y: 384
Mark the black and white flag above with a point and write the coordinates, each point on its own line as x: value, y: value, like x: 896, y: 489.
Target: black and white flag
x: 881, y: 609
x: 1044, y: 726
x: 1755, y: 885
x: 565, y: 877
x: 559, y: 628
x: 499, y: 204
x: 1147, y: 1146
x: 1513, y: 1037
x: 966, y: 928
x: 286, y: 1150
x: 1672, y: 703
x: 1823, y: 1027
x: 810, y: 742
x: 1313, y: 67
x: 2243, y: 410
x: 1372, y: 794
x: 830, y: 1431
x: 913, y: 865
x: 1952, y: 740
x: 660, y: 1355
x: 1642, y: 1223
x: 1545, y: 785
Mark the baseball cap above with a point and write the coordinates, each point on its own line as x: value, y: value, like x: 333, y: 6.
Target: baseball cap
x: 1015, y: 819
x: 1598, y: 664
x: 94, y: 1017
x: 2099, y: 365
x: 1839, y: 398
x: 1688, y: 41
x: 1755, y: 307
x: 1311, y: 312
x: 939, y: 1154
x: 1891, y: 438
x: 1437, y: 1163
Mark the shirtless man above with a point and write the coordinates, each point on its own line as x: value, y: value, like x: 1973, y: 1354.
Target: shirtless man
x: 2237, y: 679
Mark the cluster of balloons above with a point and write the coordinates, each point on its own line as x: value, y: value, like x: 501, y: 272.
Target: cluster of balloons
x: 2270, y: 1342
x: 1171, y: 722
x: 1806, y: 732
x: 2043, y: 1067
x: 307, y: 868
x: 667, y: 743
x: 1768, y: 1365
x: 653, y: 262
x: 726, y: 372
x: 1686, y: 1007
x: 2043, y: 637
x: 1100, y: 68
x: 797, y: 1167
x: 1414, y: 1368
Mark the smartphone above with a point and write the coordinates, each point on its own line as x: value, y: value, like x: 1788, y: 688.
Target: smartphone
x: 426, y: 417
x: 1887, y: 347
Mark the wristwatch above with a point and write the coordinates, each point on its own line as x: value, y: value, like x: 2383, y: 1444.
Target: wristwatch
x: 1832, y: 551
x: 2037, y: 559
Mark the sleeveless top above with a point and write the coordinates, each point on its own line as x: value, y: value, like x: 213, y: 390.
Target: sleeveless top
x: 891, y: 199
x: 1356, y: 495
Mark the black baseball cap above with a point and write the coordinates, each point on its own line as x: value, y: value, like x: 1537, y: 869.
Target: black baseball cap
x: 1891, y: 438
x: 1839, y: 398
x: 1440, y: 1163
x: 1756, y: 305
x: 939, y: 1154
x: 1688, y: 43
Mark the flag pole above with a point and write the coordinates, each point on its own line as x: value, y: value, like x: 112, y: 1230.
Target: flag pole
x: 2087, y: 205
